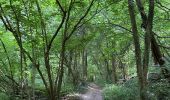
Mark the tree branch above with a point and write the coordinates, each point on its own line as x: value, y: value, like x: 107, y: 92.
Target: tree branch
x: 57, y: 1
x: 79, y: 21
x: 56, y: 33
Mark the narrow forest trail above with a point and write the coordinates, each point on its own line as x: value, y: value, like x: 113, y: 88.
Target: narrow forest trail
x: 94, y: 92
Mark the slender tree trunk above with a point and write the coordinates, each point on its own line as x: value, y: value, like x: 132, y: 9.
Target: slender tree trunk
x: 84, y: 63
x: 48, y: 68
x: 108, y: 71
x: 137, y: 48
x: 154, y: 45
x: 147, y: 40
x: 75, y: 70
x: 70, y: 72
x: 33, y: 82
x: 114, y: 77
x: 33, y: 67
x: 61, y: 70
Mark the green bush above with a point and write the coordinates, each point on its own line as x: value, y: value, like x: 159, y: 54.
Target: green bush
x: 133, y: 85
x: 160, y: 90
x: 3, y: 96
x: 114, y: 92
x: 67, y: 88
x: 127, y: 91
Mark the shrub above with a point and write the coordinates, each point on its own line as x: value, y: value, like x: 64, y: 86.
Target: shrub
x: 3, y: 96
x: 160, y: 90
x: 67, y: 88
x: 115, y: 92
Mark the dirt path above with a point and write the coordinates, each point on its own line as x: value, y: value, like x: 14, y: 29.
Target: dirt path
x: 94, y: 93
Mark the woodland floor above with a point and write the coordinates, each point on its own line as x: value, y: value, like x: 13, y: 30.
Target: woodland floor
x: 94, y: 92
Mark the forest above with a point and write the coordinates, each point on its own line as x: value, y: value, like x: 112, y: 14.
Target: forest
x: 84, y: 49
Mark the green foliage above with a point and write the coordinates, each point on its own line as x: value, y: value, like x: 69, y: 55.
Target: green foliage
x: 127, y: 91
x: 3, y: 96
x: 67, y: 88
x: 159, y: 90
x: 116, y: 92
x: 130, y: 91
x: 133, y: 84
x: 105, y: 32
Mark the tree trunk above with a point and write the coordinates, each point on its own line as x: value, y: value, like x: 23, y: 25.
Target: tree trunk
x: 75, y: 71
x: 84, y: 63
x: 61, y: 72
x: 137, y: 48
x: 70, y: 72
x: 33, y: 81
x: 154, y: 45
x: 48, y: 68
x: 114, y: 77
x: 147, y: 40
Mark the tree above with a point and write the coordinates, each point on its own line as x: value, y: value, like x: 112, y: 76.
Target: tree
x: 19, y: 32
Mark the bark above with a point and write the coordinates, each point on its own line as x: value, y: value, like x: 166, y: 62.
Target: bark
x: 75, y: 69
x: 19, y: 37
x: 147, y: 40
x: 33, y: 67
x: 84, y: 63
x: 114, y: 77
x: 154, y: 45
x: 48, y: 68
x: 61, y: 72
x: 70, y: 65
x: 70, y: 72
x: 108, y: 71
x: 137, y: 47
x: 33, y: 73
x: 63, y: 49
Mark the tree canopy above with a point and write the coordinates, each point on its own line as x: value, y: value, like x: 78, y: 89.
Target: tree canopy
x: 52, y: 48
